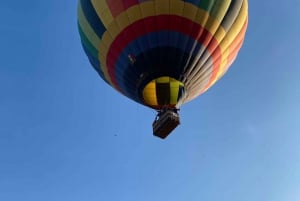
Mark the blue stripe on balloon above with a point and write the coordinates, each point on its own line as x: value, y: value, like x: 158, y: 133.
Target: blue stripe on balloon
x: 195, y: 2
x: 95, y: 63
x: 171, y: 40
x: 92, y: 17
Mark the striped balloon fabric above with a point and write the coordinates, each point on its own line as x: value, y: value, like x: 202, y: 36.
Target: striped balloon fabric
x: 162, y: 53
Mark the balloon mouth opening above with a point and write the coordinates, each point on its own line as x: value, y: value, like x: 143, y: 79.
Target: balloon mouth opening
x: 163, y: 92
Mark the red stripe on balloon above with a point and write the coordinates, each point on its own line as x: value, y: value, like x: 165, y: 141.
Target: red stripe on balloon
x: 115, y: 7
x: 129, y: 3
x: 118, y: 6
x: 156, y: 24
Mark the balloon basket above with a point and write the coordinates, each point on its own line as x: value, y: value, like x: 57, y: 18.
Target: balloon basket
x: 165, y: 122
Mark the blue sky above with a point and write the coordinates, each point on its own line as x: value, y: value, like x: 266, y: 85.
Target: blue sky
x: 67, y: 136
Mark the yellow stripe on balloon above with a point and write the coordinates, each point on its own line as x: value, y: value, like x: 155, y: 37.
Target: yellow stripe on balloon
x: 213, y: 23
x: 164, y: 79
x: 176, y: 7
x: 103, y: 50
x: 104, y: 70
x: 220, y: 34
x: 190, y: 12
x: 113, y: 29
x: 87, y: 29
x: 225, y: 54
x: 202, y: 17
x: 174, y: 91
x: 149, y: 94
x: 107, y: 39
x: 122, y: 20
x: 147, y: 8
x: 162, y: 7
x: 223, y: 7
x: 134, y: 13
x: 236, y: 27
x: 103, y: 12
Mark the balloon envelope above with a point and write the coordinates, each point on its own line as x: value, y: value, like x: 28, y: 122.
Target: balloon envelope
x: 162, y: 53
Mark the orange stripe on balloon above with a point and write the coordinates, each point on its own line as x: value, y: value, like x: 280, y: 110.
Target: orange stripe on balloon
x: 237, y: 44
x: 233, y: 51
x: 239, y: 37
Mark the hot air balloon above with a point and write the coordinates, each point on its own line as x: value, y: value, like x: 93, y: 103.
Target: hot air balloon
x: 162, y: 53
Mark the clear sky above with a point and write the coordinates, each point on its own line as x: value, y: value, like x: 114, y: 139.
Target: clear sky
x: 65, y: 135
